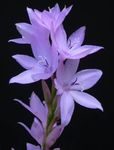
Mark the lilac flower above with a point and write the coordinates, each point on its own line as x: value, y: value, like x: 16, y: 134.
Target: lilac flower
x: 46, y: 58
x: 51, y: 19
x: 72, y: 48
x: 38, y: 128
x: 70, y: 86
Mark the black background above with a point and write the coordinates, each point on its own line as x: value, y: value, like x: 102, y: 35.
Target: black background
x: 89, y: 129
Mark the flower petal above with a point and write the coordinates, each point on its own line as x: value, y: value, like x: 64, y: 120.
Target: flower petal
x: 55, y: 10
x: 24, y: 77
x: 84, y: 51
x: 86, y: 100
x: 88, y: 78
x: 38, y: 108
x: 33, y: 17
x: 66, y: 108
x: 61, y: 38
x: 26, y: 30
x: 36, y: 130
x: 25, y: 61
x: 70, y: 69
x: 32, y: 147
x: 76, y: 39
x: 65, y: 72
x: 19, y: 41
x: 62, y: 16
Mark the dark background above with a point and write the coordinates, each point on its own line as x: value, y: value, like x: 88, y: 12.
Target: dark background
x: 89, y: 129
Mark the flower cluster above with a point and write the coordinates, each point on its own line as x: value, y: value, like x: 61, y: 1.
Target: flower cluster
x: 56, y: 57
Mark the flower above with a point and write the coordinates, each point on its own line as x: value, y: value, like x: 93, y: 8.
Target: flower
x: 72, y: 48
x: 38, y: 128
x: 45, y: 60
x: 51, y: 19
x: 70, y: 86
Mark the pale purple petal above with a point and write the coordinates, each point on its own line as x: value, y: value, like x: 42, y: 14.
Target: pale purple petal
x: 66, y: 108
x: 33, y: 17
x: 32, y: 147
x: 61, y: 39
x: 76, y: 39
x: 41, y: 46
x: 54, y: 135
x: 26, y: 30
x: 86, y: 100
x: 56, y: 149
x: 83, y: 51
x: 38, y: 108
x: 19, y: 41
x: 70, y: 69
x: 55, y: 10
x: 24, y: 77
x: 36, y: 113
x: 25, y: 61
x: 62, y: 16
x: 47, y: 19
x: 88, y: 77
x: 65, y: 72
x: 36, y: 130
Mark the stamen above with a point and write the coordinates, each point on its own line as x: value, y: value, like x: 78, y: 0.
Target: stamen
x: 43, y: 61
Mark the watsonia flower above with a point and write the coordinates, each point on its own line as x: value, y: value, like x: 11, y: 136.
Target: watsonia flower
x: 70, y: 86
x: 73, y: 48
x: 51, y: 19
x: 39, y: 125
x: 45, y: 60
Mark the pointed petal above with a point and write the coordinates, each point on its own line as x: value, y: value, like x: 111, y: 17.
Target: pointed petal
x: 26, y: 30
x: 55, y: 10
x: 88, y: 78
x: 37, y: 114
x: 24, y: 77
x: 86, y: 100
x: 84, y: 51
x: 66, y: 108
x: 62, y: 16
x: 32, y: 147
x: 36, y: 130
x: 61, y: 38
x: 25, y: 61
x: 54, y: 135
x: 41, y: 45
x: 70, y: 69
x: 76, y: 39
x: 65, y: 72
x: 38, y: 108
x: 19, y: 41
x: 32, y: 17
